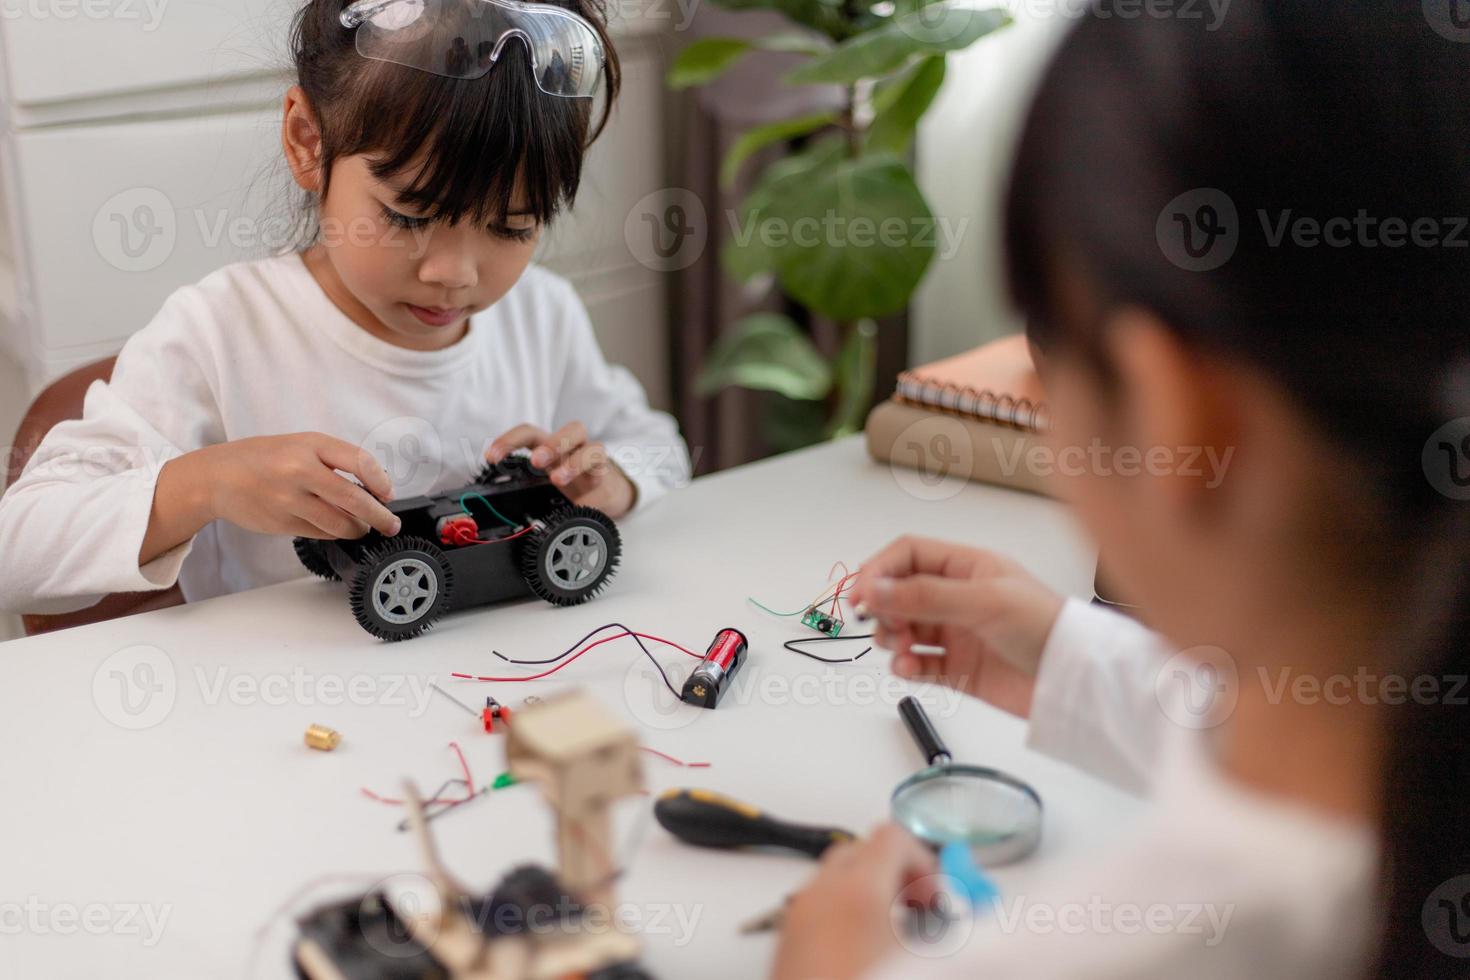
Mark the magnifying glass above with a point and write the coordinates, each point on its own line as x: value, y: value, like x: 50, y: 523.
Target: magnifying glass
x: 996, y: 815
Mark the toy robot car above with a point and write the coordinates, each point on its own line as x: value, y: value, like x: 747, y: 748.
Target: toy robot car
x: 508, y: 535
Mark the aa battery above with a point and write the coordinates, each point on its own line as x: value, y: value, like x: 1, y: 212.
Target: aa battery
x: 707, y: 682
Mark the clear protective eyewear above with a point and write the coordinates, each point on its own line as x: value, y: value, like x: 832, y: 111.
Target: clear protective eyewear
x: 463, y: 39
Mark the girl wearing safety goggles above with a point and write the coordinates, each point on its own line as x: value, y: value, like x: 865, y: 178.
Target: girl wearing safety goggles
x: 434, y: 141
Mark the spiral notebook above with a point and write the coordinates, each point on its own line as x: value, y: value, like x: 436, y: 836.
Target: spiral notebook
x: 994, y: 383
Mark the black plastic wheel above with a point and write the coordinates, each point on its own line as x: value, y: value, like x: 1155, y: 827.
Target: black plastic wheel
x: 569, y: 559
x: 401, y: 587
x: 514, y: 466
x: 313, y: 556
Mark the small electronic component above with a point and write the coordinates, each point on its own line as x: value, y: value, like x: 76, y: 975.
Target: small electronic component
x: 822, y: 622
x: 494, y: 711
x: 706, y: 683
x: 322, y: 738
x: 457, y: 531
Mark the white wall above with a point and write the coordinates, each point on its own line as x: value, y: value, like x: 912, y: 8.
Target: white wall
x: 964, y: 150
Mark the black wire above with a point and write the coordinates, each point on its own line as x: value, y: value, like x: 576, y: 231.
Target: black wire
x: 793, y: 646
x: 440, y: 809
x: 578, y: 645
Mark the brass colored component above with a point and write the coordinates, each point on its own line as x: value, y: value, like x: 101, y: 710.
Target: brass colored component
x: 322, y: 738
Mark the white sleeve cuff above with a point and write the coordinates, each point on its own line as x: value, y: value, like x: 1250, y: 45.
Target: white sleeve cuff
x: 1094, y: 704
x: 653, y: 470
x: 163, y: 571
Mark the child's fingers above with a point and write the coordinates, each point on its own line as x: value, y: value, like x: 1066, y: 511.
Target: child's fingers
x: 586, y: 466
x: 335, y: 522
x: 556, y: 448
x: 354, y: 500
x: 339, y: 454
x: 523, y: 436
x: 930, y: 599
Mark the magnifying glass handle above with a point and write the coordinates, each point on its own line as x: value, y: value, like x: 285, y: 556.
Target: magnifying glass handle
x: 923, y: 731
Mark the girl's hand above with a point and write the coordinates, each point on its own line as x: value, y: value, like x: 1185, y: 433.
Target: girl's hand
x: 991, y: 616
x: 580, y: 468
x: 841, y: 925
x: 272, y: 485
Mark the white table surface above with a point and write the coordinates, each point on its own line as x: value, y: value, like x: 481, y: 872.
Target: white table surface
x: 212, y: 813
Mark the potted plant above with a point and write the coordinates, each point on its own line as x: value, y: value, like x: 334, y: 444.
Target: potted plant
x: 840, y: 223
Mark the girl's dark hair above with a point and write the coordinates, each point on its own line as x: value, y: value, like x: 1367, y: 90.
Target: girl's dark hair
x: 1288, y: 110
x: 475, y: 138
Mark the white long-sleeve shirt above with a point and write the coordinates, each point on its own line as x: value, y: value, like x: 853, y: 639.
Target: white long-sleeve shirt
x: 259, y: 349
x: 1216, y: 883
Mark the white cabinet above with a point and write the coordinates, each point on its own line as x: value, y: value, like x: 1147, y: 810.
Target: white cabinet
x: 141, y: 150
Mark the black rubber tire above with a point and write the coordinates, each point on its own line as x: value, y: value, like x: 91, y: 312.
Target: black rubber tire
x: 538, y: 554
x: 312, y: 554
x: 378, y: 559
x: 515, y: 466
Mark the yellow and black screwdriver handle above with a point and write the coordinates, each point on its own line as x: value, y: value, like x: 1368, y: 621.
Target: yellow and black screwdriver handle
x: 706, y: 819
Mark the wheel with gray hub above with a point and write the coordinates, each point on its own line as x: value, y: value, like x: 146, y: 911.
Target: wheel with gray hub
x: 401, y: 588
x: 569, y: 560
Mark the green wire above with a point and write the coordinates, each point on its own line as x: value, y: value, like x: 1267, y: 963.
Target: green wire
x: 507, y: 520
x: 773, y: 612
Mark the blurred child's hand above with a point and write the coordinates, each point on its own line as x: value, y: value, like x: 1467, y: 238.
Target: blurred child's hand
x: 841, y: 924
x: 582, y: 469
x: 272, y: 485
x: 990, y: 615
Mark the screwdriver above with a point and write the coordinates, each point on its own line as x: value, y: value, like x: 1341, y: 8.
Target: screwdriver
x: 707, y: 819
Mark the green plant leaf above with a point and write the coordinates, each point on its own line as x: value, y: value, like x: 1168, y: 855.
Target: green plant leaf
x: 789, y: 425
x: 902, y: 104
x: 763, y: 136
x: 934, y: 29
x: 766, y: 352
x: 795, y: 42
x: 858, y: 237
x: 705, y: 60
x: 855, y: 366
x: 748, y: 252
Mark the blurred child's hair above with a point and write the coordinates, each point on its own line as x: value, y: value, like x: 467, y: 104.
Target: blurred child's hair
x: 466, y: 144
x: 1329, y: 111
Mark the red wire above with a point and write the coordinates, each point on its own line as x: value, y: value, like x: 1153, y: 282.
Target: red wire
x: 468, y: 779
x: 568, y: 662
x: 677, y: 762
x: 521, y: 533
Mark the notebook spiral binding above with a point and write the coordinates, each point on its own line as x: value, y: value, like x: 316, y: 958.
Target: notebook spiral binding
x: 968, y: 402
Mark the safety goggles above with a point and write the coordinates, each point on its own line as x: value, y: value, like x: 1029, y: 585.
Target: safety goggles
x: 463, y: 39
